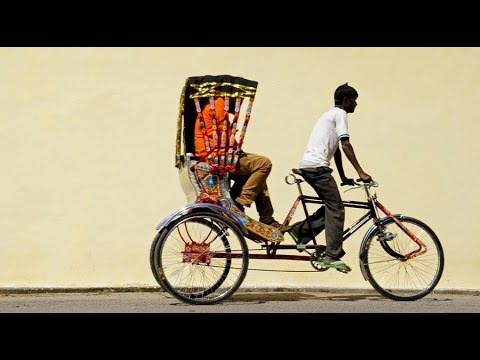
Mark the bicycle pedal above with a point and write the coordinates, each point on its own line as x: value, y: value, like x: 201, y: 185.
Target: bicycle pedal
x: 319, y: 267
x: 344, y: 270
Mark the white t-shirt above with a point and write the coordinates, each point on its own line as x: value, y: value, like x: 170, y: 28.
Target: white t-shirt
x: 329, y: 129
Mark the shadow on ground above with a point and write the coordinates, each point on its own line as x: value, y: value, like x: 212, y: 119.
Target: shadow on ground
x: 298, y: 296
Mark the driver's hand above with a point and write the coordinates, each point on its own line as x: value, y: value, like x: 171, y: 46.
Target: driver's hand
x: 347, y: 181
x: 365, y: 178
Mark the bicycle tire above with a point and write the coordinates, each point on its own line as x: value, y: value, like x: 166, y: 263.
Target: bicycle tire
x: 390, y: 273
x: 200, y: 258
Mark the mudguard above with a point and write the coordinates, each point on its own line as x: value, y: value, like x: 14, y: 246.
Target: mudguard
x: 237, y: 219
x: 385, y: 220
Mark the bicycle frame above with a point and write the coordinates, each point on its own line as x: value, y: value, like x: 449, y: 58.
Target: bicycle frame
x: 371, y: 204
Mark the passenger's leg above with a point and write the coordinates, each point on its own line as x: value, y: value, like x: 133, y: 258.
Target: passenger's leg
x: 254, y: 169
x: 236, y: 188
x: 264, y: 206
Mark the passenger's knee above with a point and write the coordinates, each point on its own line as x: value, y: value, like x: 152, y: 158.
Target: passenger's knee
x: 267, y: 164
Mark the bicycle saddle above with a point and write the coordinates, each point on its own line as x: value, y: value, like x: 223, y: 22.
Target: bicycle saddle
x: 297, y: 171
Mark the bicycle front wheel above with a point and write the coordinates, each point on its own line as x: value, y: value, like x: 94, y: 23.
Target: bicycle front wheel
x: 399, y: 268
x: 200, y: 258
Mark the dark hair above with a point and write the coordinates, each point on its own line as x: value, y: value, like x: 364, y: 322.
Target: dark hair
x: 344, y: 91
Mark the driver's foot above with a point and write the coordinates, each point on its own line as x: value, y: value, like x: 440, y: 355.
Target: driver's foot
x: 330, y: 262
x: 285, y: 228
x: 295, y: 236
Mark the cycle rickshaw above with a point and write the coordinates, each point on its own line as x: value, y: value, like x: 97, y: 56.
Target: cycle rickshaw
x: 200, y: 254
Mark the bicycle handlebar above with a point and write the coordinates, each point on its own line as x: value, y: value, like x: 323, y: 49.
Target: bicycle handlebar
x: 359, y: 183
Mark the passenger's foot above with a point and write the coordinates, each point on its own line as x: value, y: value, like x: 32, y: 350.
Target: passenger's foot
x: 275, y: 224
x: 330, y: 262
x: 240, y: 206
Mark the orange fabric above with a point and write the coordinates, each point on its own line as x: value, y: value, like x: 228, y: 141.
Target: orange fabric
x: 200, y: 149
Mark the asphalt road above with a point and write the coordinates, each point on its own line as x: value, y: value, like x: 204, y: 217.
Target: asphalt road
x: 245, y: 302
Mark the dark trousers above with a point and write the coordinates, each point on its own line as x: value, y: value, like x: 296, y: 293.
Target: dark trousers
x: 330, y: 217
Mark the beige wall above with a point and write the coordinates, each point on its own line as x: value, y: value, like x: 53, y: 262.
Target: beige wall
x: 87, y: 151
